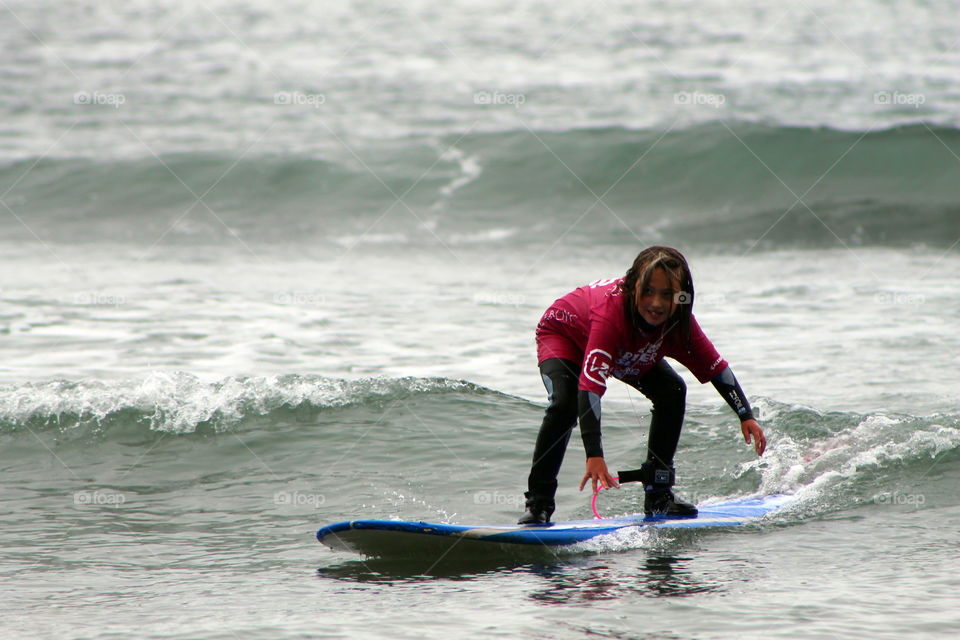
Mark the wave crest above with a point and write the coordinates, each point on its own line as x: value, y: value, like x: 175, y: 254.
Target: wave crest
x: 181, y: 403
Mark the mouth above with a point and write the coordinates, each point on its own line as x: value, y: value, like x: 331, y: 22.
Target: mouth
x: 655, y: 315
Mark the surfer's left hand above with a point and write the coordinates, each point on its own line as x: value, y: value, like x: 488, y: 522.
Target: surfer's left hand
x: 752, y: 430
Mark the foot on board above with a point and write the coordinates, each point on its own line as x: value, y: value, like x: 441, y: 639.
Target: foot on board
x: 538, y: 510
x: 664, y: 503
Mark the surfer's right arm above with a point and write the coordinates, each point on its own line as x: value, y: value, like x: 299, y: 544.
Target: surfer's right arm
x: 588, y: 403
x: 597, y: 365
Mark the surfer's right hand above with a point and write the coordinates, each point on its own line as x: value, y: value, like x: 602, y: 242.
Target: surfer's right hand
x: 597, y: 470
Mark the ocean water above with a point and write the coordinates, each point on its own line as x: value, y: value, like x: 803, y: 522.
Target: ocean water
x: 268, y: 266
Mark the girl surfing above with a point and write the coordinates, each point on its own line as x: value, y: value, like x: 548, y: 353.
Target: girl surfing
x: 624, y: 328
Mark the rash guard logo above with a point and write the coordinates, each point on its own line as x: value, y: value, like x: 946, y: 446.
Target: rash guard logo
x: 596, y: 367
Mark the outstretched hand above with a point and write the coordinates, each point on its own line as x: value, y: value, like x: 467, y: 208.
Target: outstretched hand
x: 752, y: 430
x: 597, y: 470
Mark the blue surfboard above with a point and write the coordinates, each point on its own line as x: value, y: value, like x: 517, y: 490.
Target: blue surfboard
x: 399, y: 537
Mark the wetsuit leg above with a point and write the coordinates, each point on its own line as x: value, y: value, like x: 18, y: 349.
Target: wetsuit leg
x: 560, y: 377
x: 668, y: 392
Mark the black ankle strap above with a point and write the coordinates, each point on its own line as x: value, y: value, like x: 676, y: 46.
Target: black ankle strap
x: 650, y: 474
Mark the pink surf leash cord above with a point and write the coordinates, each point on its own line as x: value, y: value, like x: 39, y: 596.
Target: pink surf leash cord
x: 593, y: 504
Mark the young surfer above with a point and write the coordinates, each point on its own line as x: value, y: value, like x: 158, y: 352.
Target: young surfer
x: 624, y: 328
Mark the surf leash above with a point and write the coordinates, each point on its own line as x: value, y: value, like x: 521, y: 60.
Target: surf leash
x: 593, y: 504
x: 634, y: 475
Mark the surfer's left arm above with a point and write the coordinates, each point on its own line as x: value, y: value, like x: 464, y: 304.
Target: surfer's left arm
x: 703, y: 360
x: 727, y: 386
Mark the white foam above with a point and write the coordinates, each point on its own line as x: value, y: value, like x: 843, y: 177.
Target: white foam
x: 179, y: 402
x: 813, y: 471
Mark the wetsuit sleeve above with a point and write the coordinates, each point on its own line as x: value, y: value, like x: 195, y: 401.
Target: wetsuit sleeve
x: 588, y: 403
x: 727, y: 386
x: 597, y: 366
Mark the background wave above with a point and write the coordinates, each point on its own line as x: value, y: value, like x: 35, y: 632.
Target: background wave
x: 711, y: 184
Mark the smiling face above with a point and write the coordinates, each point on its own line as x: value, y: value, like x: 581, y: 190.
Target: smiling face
x: 655, y: 302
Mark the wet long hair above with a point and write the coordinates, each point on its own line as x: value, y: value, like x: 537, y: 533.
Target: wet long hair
x: 677, y: 269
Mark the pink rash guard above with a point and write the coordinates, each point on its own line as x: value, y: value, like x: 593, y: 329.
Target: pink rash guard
x: 589, y: 326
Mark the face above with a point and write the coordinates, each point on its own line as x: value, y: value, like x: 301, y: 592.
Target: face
x: 655, y: 302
